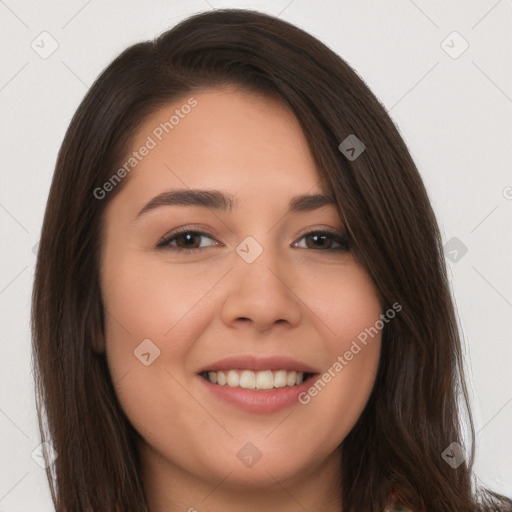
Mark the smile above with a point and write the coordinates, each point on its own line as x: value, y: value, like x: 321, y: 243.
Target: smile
x: 261, y: 384
x: 260, y: 380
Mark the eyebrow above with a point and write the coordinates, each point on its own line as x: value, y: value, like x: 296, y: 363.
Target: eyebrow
x: 223, y: 201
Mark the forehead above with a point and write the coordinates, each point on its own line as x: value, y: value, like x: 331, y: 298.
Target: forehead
x: 227, y: 133
x: 247, y: 146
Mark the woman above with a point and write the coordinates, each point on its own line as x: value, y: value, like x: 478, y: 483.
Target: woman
x: 263, y: 369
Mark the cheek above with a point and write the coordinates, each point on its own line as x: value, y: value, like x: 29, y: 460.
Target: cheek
x: 336, y: 399
x: 152, y: 300
x: 349, y: 313
x: 346, y: 300
x: 152, y: 317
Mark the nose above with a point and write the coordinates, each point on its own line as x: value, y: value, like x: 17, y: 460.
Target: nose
x: 261, y: 294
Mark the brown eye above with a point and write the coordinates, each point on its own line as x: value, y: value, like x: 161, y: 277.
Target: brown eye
x: 184, y: 240
x: 189, y: 240
x: 326, y: 240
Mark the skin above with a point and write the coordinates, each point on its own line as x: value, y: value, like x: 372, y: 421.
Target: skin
x: 294, y: 299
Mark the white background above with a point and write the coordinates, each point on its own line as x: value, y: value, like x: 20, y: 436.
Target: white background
x: 455, y: 115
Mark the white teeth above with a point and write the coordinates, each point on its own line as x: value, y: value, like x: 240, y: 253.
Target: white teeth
x: 233, y: 379
x: 248, y: 379
x: 221, y: 378
x: 264, y: 380
x: 280, y: 379
x: 291, y: 378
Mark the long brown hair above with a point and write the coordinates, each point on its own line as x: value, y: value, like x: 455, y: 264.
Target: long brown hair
x: 412, y: 415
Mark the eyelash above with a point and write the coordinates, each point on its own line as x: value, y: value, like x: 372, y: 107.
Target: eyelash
x: 340, y: 238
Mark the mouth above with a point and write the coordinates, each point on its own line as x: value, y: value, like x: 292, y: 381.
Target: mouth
x: 257, y: 384
x: 257, y: 379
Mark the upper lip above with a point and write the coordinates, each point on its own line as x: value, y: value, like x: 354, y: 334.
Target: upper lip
x: 250, y: 362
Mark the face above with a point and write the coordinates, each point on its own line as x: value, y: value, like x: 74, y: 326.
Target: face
x: 263, y: 293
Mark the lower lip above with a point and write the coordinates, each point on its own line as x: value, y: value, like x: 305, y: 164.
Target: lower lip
x: 258, y: 401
